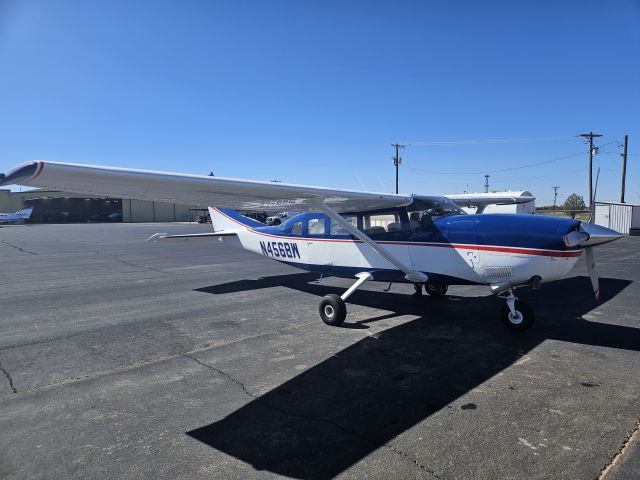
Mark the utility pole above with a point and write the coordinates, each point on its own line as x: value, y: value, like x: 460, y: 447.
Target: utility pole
x: 396, y: 160
x: 624, y: 167
x: 555, y: 196
x: 590, y: 136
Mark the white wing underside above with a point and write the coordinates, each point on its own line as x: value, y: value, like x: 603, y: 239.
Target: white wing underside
x: 197, y: 190
x: 482, y: 200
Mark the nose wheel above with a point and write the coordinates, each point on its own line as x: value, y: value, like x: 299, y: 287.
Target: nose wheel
x: 332, y: 308
x: 516, y: 315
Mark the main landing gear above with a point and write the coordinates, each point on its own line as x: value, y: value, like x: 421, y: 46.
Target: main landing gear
x: 516, y: 315
x: 333, y: 310
x: 433, y: 289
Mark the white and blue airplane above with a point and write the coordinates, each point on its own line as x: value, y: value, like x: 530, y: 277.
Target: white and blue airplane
x: 18, y: 217
x: 424, y: 240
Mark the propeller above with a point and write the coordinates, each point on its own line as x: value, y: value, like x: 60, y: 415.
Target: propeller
x: 591, y: 259
x: 593, y: 271
x: 586, y: 236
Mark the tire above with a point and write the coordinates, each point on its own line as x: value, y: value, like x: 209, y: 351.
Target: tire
x: 333, y: 310
x: 276, y: 222
x: 522, y: 322
x: 436, y: 290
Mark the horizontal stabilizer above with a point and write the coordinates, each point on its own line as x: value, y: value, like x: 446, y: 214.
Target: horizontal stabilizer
x: 190, y: 236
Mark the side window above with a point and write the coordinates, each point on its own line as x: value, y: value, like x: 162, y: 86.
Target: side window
x: 423, y: 228
x: 316, y: 226
x: 296, y: 229
x: 381, y: 223
x: 336, y: 229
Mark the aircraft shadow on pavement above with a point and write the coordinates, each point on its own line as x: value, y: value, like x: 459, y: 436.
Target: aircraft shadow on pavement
x: 334, y: 414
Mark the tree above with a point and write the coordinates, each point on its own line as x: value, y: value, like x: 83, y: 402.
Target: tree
x: 574, y: 203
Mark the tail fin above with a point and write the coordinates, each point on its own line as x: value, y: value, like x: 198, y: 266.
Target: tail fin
x: 227, y: 219
x: 24, y: 213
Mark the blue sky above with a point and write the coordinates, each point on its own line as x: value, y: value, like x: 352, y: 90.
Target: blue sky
x: 314, y: 92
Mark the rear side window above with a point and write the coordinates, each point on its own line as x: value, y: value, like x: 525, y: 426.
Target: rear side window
x: 382, y: 223
x: 336, y: 229
x: 315, y: 226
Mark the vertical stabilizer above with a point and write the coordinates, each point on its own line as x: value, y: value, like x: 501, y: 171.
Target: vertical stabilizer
x: 228, y: 219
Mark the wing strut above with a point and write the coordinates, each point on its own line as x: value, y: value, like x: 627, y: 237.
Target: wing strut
x: 409, y: 273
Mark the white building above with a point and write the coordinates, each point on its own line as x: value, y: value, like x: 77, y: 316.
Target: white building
x: 621, y: 217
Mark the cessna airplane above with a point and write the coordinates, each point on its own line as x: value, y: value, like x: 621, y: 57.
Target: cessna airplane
x: 17, y: 217
x: 424, y: 240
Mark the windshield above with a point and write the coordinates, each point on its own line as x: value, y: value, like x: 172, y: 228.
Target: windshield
x: 428, y: 209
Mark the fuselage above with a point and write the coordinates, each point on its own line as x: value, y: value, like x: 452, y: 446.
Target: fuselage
x: 16, y: 217
x: 487, y: 249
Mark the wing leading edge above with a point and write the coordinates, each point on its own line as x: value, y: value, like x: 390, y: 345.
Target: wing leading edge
x: 197, y: 190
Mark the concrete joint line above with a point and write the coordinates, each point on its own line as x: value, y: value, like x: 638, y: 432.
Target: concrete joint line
x: 144, y: 267
x: 17, y: 247
x: 343, y: 429
x: 616, y: 458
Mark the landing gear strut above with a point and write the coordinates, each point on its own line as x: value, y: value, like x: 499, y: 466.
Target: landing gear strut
x: 516, y: 315
x: 333, y: 310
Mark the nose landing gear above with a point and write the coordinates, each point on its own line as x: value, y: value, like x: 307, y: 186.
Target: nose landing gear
x: 332, y: 309
x: 516, y: 315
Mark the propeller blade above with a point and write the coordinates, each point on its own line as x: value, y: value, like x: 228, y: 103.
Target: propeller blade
x: 593, y: 272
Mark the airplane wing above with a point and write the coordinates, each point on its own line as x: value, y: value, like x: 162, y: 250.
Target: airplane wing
x: 481, y: 200
x: 197, y: 190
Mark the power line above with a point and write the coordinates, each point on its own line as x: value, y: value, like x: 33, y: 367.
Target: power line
x: 484, y: 142
x: 503, y: 169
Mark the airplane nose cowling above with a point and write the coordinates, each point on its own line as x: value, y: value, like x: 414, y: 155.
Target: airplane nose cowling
x: 526, y: 231
x: 597, y: 235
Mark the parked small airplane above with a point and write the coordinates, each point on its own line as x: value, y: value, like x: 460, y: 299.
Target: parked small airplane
x: 425, y: 240
x: 18, y: 217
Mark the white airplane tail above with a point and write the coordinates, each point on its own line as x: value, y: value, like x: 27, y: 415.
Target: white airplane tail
x: 25, y: 213
x: 229, y: 220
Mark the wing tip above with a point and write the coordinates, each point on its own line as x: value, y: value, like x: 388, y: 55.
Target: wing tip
x: 23, y: 172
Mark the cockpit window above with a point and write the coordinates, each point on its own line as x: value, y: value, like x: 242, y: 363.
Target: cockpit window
x: 422, y: 214
x: 425, y: 211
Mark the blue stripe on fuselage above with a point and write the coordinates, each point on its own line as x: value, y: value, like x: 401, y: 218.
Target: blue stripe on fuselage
x: 512, y: 230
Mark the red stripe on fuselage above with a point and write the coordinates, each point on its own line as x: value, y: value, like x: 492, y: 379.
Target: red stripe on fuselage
x: 457, y: 246
x: 38, y: 170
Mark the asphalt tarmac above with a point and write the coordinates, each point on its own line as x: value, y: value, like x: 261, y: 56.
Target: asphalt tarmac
x: 126, y: 360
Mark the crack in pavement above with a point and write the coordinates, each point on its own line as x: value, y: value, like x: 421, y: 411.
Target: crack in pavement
x: 134, y: 365
x: 336, y: 425
x: 8, y: 378
x: 118, y: 259
x: 17, y: 247
x: 618, y: 455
